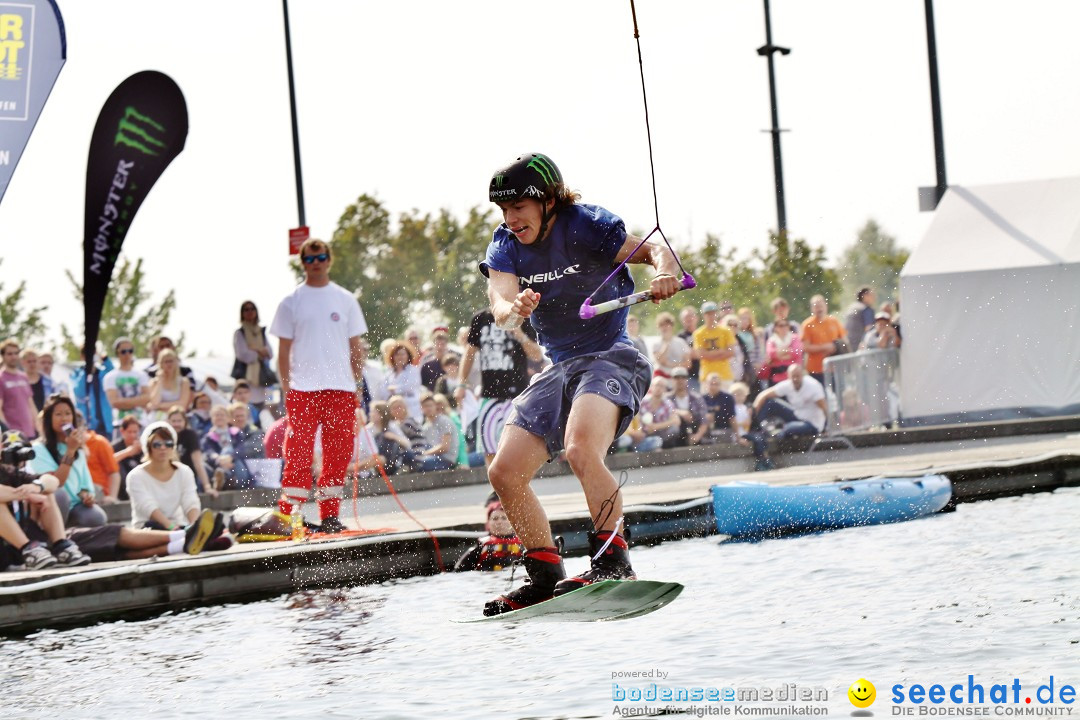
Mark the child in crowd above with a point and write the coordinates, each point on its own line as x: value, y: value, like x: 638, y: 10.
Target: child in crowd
x: 740, y: 423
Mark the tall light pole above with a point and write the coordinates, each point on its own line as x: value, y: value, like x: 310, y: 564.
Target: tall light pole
x: 930, y: 197
x: 768, y: 50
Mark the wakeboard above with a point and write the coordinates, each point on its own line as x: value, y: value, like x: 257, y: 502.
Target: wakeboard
x: 600, y: 602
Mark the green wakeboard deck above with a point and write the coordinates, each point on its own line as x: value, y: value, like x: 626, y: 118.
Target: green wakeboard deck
x: 602, y: 601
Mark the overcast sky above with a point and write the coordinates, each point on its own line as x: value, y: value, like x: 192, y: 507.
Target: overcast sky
x: 417, y: 102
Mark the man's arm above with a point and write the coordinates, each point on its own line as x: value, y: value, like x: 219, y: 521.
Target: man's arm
x: 531, y: 347
x: 357, y: 362
x: 509, y: 306
x: 665, y: 282
x: 763, y: 396
x: 463, y: 372
x: 2, y: 418
x: 284, y: 352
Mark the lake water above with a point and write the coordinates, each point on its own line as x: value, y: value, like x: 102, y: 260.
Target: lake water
x: 991, y: 590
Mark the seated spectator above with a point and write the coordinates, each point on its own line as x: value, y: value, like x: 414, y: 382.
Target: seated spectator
x: 159, y: 345
x: 411, y: 338
x: 39, y: 512
x: 402, y: 378
x: 240, y: 418
x: 220, y: 446
x: 242, y: 394
x: 169, y: 387
x: 189, y: 450
x: 448, y: 383
x: 199, y: 417
x: 658, y: 423
x: 882, y: 336
x: 721, y: 407
x: 670, y: 351
x: 633, y: 330
x: 127, y: 451
x: 390, y: 440
x: 41, y: 384
x: 213, y: 391
x: 410, y: 428
x: 365, y: 457
x: 162, y: 489
x: 740, y: 421
x: 796, y: 404
x: 103, y: 465
x: 690, y: 407
x: 431, y: 365
x: 441, y: 439
x: 60, y: 452
x: 782, y: 350
x: 500, y: 548
x: 445, y: 409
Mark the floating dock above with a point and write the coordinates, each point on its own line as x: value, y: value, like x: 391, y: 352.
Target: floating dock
x: 674, y: 506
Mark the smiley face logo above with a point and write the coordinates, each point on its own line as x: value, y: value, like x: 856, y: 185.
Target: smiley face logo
x: 862, y: 693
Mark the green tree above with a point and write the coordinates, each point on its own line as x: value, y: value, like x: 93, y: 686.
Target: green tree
x: 25, y: 325
x: 129, y: 311
x: 796, y: 271
x: 426, y: 268
x: 874, y: 259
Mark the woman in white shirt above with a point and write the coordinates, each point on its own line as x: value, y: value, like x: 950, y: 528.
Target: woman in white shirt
x: 403, y: 378
x: 162, y: 489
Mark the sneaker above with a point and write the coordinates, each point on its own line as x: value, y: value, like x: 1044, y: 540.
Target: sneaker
x: 219, y: 526
x: 612, y: 564
x: 332, y: 525
x: 198, y: 532
x: 37, y: 557
x: 71, y: 556
x: 545, y: 569
x: 219, y: 543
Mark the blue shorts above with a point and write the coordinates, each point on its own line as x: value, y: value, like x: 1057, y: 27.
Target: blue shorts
x: 621, y: 375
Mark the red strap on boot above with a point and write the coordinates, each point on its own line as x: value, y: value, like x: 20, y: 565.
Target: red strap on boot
x: 616, y: 540
x: 545, y: 554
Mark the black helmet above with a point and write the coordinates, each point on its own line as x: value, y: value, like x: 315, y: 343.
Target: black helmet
x: 531, y: 175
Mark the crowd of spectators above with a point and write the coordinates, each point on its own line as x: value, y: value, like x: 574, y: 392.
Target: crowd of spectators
x: 422, y: 405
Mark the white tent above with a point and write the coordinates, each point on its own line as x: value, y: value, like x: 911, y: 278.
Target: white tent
x: 990, y: 306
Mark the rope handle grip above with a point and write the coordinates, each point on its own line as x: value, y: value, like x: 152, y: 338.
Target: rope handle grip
x: 588, y: 310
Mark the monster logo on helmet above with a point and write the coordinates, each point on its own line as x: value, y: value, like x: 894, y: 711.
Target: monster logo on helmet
x: 531, y: 175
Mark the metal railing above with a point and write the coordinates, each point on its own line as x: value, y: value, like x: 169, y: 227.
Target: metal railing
x: 862, y: 390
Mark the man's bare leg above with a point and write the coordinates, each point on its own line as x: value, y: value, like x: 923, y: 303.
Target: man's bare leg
x: 519, y: 456
x: 590, y: 430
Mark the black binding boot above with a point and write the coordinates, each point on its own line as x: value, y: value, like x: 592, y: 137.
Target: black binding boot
x: 613, y: 564
x: 545, y: 569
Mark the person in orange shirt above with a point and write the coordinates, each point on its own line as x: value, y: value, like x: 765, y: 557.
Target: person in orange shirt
x: 104, y: 468
x: 820, y: 332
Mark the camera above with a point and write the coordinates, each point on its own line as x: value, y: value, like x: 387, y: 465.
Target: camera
x: 16, y: 450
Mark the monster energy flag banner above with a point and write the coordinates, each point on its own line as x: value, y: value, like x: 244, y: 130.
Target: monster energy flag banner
x: 140, y: 130
x: 32, y: 52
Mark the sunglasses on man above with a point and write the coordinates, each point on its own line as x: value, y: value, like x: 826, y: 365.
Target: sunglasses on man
x: 321, y: 257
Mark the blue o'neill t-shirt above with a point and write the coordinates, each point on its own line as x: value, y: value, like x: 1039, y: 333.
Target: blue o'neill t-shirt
x: 565, y: 268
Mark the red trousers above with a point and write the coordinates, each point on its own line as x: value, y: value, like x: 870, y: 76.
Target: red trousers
x: 335, y: 411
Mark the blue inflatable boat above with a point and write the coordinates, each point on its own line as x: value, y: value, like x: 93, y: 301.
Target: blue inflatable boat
x: 750, y: 509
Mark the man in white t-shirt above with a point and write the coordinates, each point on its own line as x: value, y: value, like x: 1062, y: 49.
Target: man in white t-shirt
x: 798, y: 403
x: 320, y: 364
x: 128, y: 389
